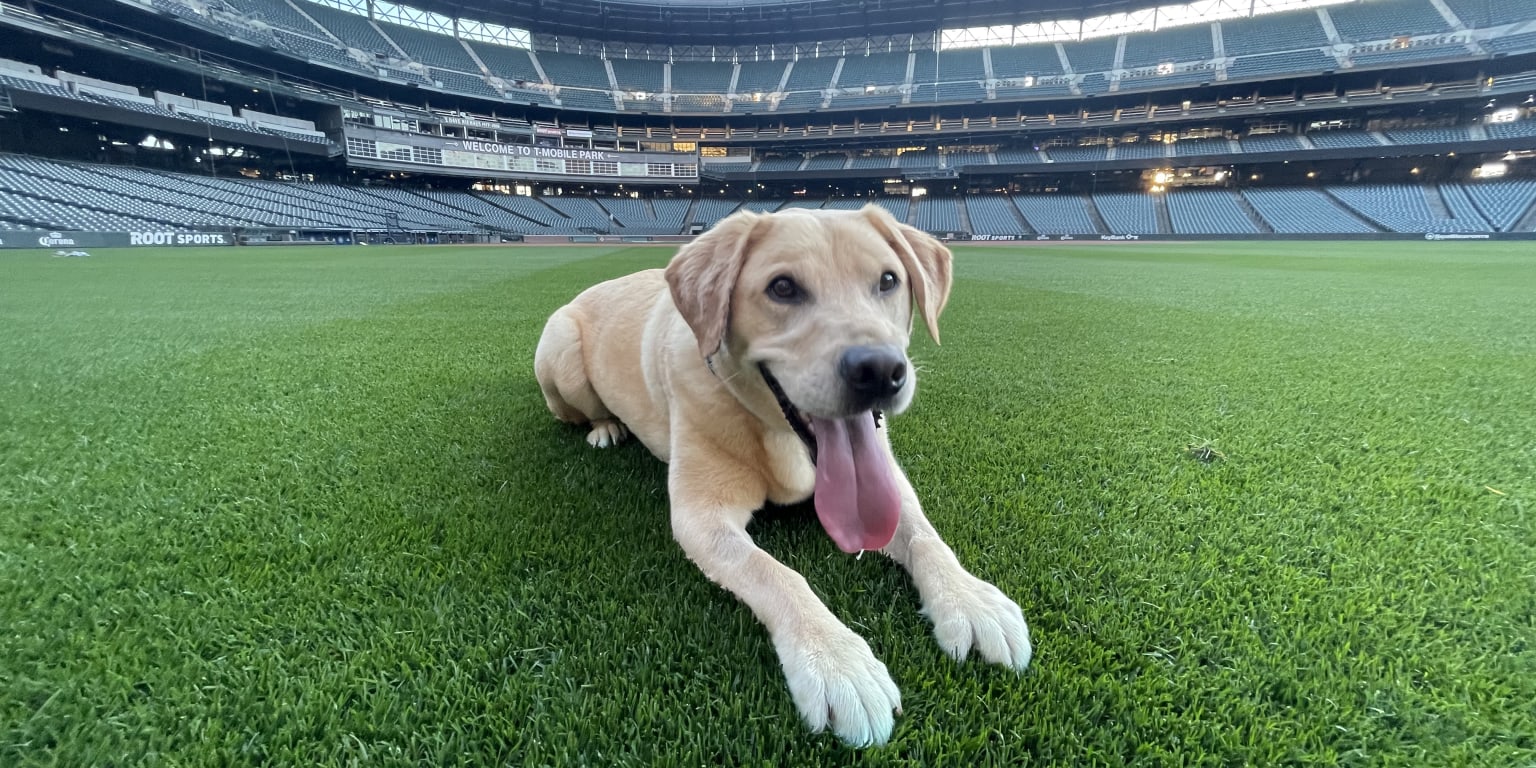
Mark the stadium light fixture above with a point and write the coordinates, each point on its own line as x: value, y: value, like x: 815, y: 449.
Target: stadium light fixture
x: 1490, y: 170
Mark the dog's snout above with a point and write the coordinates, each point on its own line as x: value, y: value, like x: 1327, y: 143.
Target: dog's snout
x: 873, y: 372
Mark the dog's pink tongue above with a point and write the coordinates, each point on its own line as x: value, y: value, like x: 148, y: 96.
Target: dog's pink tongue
x: 856, y: 496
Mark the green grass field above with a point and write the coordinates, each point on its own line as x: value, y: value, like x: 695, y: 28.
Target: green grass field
x: 306, y: 507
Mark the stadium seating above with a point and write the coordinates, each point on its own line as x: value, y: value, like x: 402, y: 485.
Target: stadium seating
x: 761, y: 76
x: 1308, y: 60
x: 1383, y: 19
x: 1020, y: 60
x: 1092, y: 154
x: 1093, y: 84
x: 710, y: 210
x: 1198, y: 147
x: 1273, y: 32
x: 1517, y: 130
x: 635, y: 75
x: 1017, y: 156
x: 884, y: 97
x: 827, y: 162
x: 1191, y: 43
x: 511, y: 64
x: 1127, y: 213
x: 1208, y: 212
x: 899, y: 207
x: 530, y: 208
x: 430, y: 48
x: 279, y: 14
x: 1482, y: 14
x: 1394, y: 54
x: 462, y: 83
x: 582, y: 213
x: 1056, y: 214
x: 939, y: 214
x: 484, y: 209
x: 317, y: 50
x: 1342, y: 139
x: 636, y: 216
x: 1274, y: 142
x: 351, y: 29
x: 1303, y: 210
x: 1453, y: 135
x: 576, y: 70
x: 1292, y: 42
x: 1502, y: 202
x: 699, y: 77
x: 577, y: 98
x: 949, y: 66
x: 910, y: 160
x: 874, y: 69
x: 962, y: 159
x: 1401, y: 208
x: 1140, y: 150
x: 1524, y: 42
x: 873, y: 161
x: 780, y: 163
x: 1460, y: 204
x: 994, y: 215
x: 1092, y: 55
x: 972, y: 90
x: 1148, y: 79
x: 801, y: 100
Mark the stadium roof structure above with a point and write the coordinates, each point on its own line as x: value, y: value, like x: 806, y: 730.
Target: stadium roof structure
x: 762, y: 22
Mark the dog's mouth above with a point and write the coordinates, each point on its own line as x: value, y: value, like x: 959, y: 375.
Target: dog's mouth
x: 857, y: 500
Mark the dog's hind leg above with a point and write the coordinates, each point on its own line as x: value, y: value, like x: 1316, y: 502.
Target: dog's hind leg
x: 560, y: 366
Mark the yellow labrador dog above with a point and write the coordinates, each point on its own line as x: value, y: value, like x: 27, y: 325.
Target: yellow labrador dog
x: 758, y: 365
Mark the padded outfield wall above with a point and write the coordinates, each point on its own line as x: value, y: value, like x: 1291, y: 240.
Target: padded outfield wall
x: 155, y: 238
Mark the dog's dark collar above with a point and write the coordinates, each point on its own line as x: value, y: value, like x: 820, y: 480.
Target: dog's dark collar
x: 791, y: 413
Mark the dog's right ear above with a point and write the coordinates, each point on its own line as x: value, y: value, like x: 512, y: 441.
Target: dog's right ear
x: 702, y: 275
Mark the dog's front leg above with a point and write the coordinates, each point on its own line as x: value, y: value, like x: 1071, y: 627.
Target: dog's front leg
x: 966, y: 612
x: 834, y: 678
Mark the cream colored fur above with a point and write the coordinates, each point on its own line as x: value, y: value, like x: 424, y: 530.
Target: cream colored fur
x: 628, y: 356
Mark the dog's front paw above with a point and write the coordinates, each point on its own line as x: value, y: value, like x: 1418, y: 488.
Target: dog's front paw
x: 837, y: 682
x: 606, y: 432
x: 978, y: 615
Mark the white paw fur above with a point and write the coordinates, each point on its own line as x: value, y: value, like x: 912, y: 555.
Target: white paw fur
x: 837, y: 682
x: 605, y: 433
x: 978, y: 615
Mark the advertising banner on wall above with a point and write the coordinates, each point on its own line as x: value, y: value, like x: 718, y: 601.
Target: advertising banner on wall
x: 69, y: 240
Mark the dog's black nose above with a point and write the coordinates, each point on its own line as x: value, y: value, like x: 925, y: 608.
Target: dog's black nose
x: 873, y: 372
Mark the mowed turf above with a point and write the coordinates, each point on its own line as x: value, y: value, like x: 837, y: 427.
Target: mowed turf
x: 306, y: 507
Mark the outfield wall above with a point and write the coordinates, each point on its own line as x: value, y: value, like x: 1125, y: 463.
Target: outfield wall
x: 1373, y: 236
x: 157, y: 238
x: 175, y: 239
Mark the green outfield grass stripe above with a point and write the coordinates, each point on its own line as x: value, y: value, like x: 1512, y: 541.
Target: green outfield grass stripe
x: 306, y: 507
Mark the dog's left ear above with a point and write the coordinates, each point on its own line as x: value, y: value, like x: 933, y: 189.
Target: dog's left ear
x: 703, y: 273
x: 926, y: 260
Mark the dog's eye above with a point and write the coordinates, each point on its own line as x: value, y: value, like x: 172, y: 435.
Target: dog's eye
x: 888, y: 282
x: 785, y: 290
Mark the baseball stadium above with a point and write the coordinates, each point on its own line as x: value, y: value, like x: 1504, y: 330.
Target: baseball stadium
x: 1229, y: 398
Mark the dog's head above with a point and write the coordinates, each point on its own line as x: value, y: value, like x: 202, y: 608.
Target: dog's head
x: 821, y: 302
x: 819, y: 305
